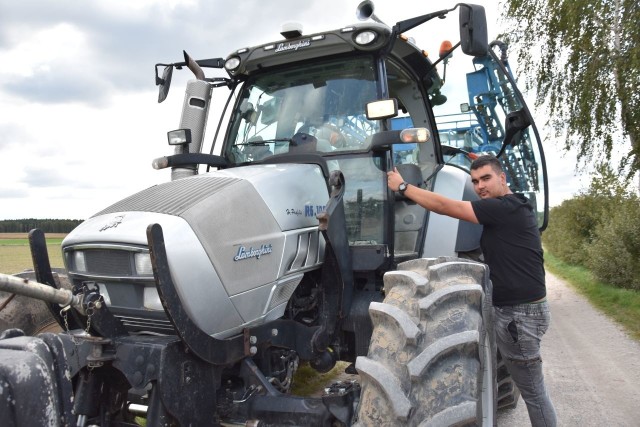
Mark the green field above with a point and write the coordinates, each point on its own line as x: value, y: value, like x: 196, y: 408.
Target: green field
x: 15, y: 255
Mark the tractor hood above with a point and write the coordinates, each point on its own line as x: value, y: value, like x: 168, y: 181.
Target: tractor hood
x: 233, y: 237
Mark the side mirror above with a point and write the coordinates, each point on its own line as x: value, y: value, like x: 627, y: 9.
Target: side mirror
x: 473, y: 30
x: 250, y: 114
x: 269, y: 111
x: 164, y: 83
x: 515, y: 122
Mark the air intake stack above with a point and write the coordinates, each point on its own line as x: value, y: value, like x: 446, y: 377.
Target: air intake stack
x: 195, y: 111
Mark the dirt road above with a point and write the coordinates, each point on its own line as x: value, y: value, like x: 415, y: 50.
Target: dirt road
x: 592, y: 368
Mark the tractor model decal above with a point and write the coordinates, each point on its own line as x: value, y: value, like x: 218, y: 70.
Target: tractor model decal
x: 310, y: 210
x: 294, y: 211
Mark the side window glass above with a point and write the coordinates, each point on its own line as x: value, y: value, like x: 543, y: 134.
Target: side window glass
x: 412, y: 113
x: 366, y: 188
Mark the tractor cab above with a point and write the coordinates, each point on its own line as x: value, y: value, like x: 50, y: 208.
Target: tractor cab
x: 305, y: 99
x: 316, y: 112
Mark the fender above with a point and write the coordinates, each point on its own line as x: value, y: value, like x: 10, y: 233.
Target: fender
x: 447, y: 236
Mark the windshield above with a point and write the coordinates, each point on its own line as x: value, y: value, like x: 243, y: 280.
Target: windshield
x: 325, y: 100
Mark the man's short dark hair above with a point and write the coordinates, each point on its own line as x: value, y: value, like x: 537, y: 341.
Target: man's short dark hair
x: 485, y: 160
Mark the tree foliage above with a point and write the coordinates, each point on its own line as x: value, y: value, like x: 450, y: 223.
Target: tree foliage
x: 614, y: 254
x: 582, y: 57
x: 571, y: 229
x: 46, y: 225
x: 599, y: 229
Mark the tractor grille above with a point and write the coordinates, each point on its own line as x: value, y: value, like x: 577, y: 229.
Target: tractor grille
x: 125, y: 280
x: 107, y: 262
x: 138, y: 324
x: 171, y: 198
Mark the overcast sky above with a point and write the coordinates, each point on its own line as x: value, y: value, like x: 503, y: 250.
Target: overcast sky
x: 80, y: 123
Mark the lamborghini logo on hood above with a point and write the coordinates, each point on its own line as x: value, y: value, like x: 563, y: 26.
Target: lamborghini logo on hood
x: 244, y: 253
x: 114, y: 223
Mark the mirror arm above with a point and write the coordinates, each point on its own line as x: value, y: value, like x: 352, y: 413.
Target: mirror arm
x: 205, y: 63
x: 408, y: 24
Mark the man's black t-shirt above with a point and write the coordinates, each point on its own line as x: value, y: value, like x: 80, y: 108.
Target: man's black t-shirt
x: 511, y: 246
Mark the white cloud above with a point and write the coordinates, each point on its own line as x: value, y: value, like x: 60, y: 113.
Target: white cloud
x: 564, y: 181
x: 36, y: 53
x: 80, y: 123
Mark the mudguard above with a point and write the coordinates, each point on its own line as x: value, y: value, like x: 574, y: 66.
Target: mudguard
x: 28, y: 392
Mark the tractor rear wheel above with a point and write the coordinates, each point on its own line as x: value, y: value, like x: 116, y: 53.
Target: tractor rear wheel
x: 431, y: 360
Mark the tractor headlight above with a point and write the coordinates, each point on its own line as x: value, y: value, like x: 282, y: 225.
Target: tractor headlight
x: 79, y: 262
x: 143, y: 264
x: 415, y: 135
x: 179, y: 137
x: 232, y: 63
x: 365, y: 37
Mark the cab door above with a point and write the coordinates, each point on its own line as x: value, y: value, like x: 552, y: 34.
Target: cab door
x: 494, y: 119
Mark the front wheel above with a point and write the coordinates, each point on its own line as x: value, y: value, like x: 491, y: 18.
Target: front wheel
x: 431, y: 360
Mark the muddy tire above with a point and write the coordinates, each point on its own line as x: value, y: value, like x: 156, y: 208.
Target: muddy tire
x: 431, y: 360
x: 30, y: 315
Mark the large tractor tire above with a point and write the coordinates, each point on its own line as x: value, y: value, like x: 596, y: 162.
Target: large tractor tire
x: 30, y: 315
x: 431, y: 360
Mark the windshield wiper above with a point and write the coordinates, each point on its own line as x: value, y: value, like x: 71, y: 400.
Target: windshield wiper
x: 264, y: 142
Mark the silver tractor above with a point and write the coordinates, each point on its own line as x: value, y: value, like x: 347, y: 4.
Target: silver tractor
x: 193, y: 302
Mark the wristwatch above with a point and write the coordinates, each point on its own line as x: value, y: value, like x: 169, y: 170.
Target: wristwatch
x: 402, y: 188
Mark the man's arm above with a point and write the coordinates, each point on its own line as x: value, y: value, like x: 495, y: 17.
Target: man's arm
x: 432, y: 201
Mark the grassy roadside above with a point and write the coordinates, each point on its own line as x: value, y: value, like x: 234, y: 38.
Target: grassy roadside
x: 308, y: 381
x: 621, y: 305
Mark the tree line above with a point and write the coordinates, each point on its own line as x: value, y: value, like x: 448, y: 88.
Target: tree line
x: 599, y: 229
x: 46, y: 225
